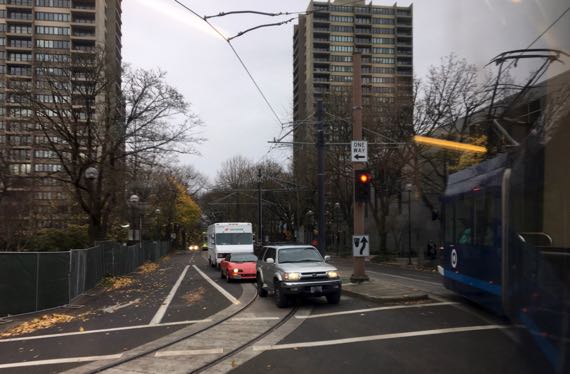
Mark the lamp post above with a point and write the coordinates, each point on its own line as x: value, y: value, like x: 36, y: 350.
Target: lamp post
x: 91, y: 174
x: 157, y: 211
x: 134, y: 201
x: 409, y: 189
x: 310, y: 215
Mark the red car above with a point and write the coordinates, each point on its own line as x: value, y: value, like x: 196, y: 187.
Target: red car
x: 238, y: 266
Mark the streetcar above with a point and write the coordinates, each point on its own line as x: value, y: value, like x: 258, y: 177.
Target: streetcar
x: 507, y: 238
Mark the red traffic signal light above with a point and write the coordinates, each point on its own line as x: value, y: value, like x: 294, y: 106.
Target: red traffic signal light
x: 362, y: 179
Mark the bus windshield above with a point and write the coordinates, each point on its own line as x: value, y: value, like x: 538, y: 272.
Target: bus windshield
x: 234, y: 238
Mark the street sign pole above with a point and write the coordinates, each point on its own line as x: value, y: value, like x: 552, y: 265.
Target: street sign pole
x: 358, y: 274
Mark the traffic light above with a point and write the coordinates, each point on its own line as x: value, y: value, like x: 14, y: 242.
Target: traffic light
x: 362, y: 180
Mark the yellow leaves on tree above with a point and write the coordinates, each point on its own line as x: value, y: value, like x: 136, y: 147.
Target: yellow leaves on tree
x: 187, y: 211
x: 467, y: 159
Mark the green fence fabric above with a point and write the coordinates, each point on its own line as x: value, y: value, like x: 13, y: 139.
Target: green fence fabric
x: 32, y: 281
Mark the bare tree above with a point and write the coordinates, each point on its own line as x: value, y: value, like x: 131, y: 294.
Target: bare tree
x: 87, y: 120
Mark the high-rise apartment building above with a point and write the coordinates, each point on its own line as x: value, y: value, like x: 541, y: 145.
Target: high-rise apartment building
x: 39, y: 38
x: 325, y: 40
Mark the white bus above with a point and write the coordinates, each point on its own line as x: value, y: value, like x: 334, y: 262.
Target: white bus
x: 228, y: 237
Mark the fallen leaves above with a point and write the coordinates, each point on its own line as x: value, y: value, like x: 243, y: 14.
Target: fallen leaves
x: 40, y: 323
x: 148, y: 267
x: 194, y: 296
x: 117, y: 283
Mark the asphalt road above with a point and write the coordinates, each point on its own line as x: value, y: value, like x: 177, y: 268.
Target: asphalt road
x: 114, y: 321
x: 416, y: 338
x: 444, y: 335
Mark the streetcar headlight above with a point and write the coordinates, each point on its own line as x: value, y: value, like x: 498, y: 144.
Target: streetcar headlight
x: 291, y: 276
x: 332, y: 274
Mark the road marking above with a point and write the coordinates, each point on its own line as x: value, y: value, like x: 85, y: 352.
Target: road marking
x: 376, y: 337
x: 407, y: 278
x: 60, y: 361
x: 114, y: 308
x: 217, y: 286
x: 166, y: 303
x: 374, y: 310
x: 256, y: 318
x: 193, y: 352
x: 135, y: 327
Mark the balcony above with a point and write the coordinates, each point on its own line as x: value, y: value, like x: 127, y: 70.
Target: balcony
x: 19, y: 3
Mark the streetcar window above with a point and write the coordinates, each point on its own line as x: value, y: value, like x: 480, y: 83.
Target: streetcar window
x: 485, y: 220
x: 464, y: 221
x: 449, y: 223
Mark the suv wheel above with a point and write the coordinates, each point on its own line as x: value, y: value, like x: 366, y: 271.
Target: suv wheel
x: 260, y: 290
x: 281, y: 300
x: 333, y: 298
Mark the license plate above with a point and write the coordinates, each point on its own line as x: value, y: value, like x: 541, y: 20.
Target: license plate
x: 316, y: 289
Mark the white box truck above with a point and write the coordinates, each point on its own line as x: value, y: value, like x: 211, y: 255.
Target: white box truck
x: 228, y: 237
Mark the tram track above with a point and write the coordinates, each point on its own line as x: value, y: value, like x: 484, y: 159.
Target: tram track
x: 235, y: 315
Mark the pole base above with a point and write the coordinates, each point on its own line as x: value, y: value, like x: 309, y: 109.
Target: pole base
x: 359, y: 278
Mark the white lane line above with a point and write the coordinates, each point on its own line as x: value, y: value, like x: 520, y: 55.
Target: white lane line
x: 376, y: 337
x: 56, y: 361
x: 217, y: 286
x: 166, y: 303
x: 136, y: 327
x: 193, y: 352
x: 406, y: 278
x: 374, y: 310
x: 255, y: 318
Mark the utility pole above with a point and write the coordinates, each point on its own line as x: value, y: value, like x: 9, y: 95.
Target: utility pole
x: 358, y: 274
x: 259, y: 209
x: 321, y: 177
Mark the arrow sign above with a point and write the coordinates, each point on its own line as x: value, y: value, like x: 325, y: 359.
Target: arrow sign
x: 360, y: 247
x: 359, y: 150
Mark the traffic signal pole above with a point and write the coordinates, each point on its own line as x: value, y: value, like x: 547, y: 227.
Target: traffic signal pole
x: 359, y: 274
x: 321, y: 178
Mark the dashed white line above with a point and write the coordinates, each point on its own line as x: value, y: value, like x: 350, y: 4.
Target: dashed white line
x: 24, y: 338
x: 360, y: 339
x: 367, y: 310
x: 56, y: 361
x: 166, y: 303
x: 193, y: 352
x: 217, y: 286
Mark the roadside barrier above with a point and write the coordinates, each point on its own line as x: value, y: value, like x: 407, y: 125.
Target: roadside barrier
x: 33, y: 281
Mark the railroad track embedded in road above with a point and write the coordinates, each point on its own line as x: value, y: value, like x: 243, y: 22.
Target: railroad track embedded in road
x: 215, y: 361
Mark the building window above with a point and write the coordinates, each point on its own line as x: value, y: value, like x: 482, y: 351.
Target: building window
x: 56, y: 17
x: 343, y: 19
x: 52, y: 30
x: 55, y: 44
x: 386, y: 51
x: 341, y: 48
x: 382, y: 40
x: 341, y: 38
x: 383, y: 31
x: 383, y: 21
x: 383, y: 60
x: 337, y: 58
x: 20, y: 169
x: 337, y: 28
x: 54, y: 3
x: 341, y: 68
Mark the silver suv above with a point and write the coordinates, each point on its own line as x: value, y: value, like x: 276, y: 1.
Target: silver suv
x: 288, y: 270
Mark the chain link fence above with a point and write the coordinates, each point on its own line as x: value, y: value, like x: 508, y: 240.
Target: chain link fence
x: 32, y: 281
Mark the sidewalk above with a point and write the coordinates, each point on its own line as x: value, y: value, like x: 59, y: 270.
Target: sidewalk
x: 376, y: 289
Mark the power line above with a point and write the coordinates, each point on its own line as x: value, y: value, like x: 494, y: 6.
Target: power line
x: 541, y: 35
x: 238, y: 57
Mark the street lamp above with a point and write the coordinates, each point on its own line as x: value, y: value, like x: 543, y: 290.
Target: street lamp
x: 409, y: 189
x: 134, y: 200
x: 157, y: 211
x: 310, y: 215
x: 91, y: 174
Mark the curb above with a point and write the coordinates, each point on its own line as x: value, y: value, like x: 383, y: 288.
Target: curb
x: 386, y: 299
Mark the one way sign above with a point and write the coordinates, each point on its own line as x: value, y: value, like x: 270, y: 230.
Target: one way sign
x: 360, y: 246
x: 359, y: 150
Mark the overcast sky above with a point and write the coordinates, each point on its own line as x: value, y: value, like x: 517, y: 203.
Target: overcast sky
x: 160, y: 33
